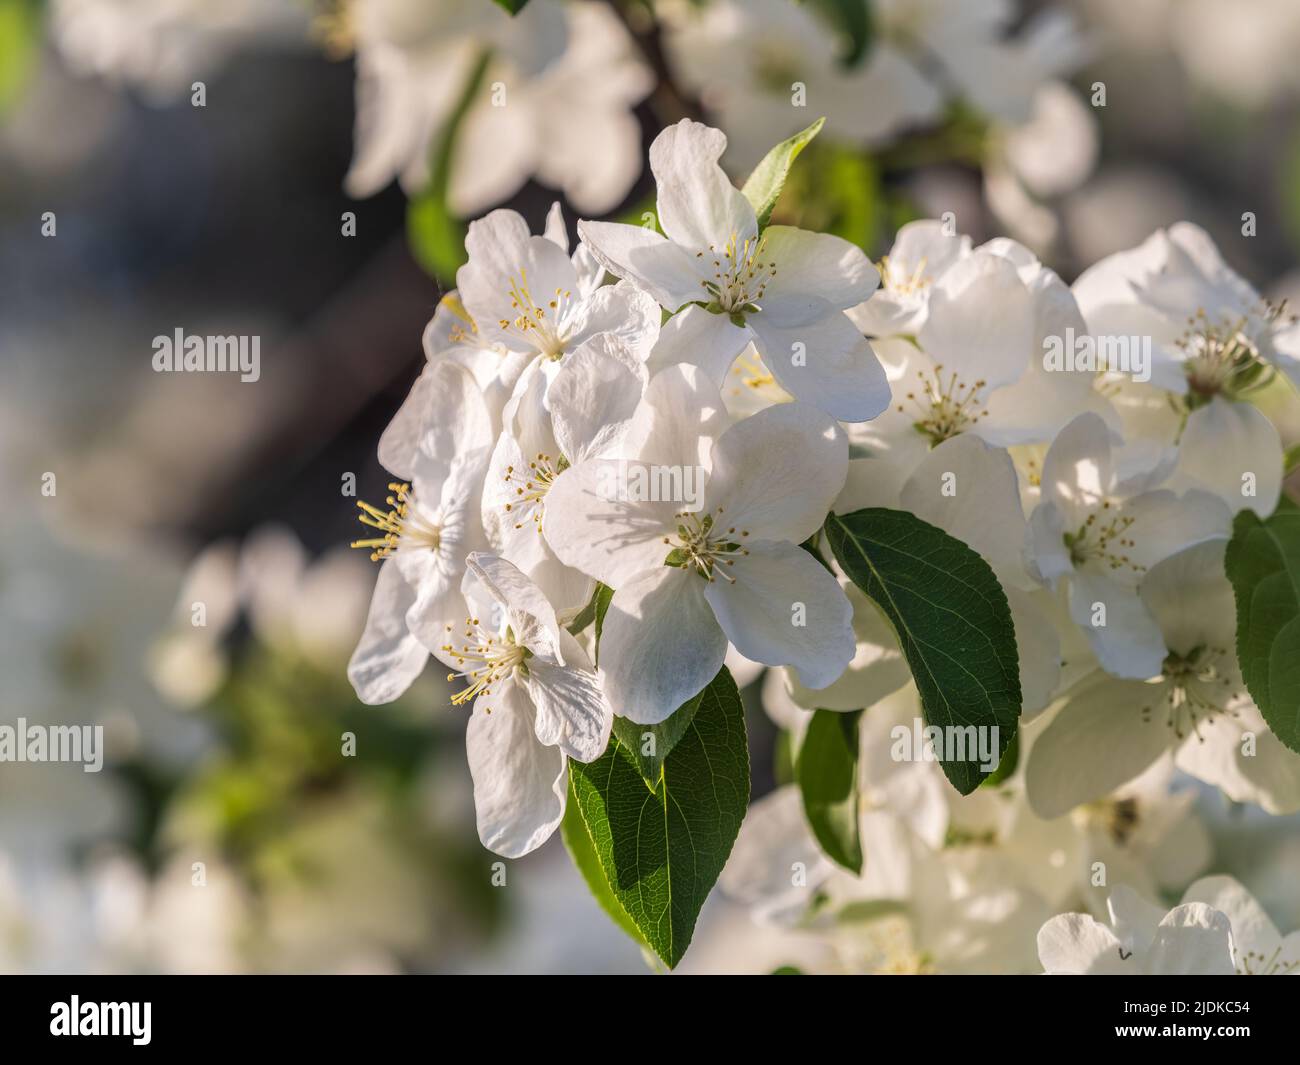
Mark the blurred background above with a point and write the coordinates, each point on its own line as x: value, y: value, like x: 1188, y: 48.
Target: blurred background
x: 302, y: 172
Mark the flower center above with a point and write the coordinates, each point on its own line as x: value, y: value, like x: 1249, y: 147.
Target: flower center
x: 484, y: 660
x: 740, y: 276
x: 1254, y: 963
x: 1197, y: 689
x: 1223, y: 356
x: 402, y: 525
x: 531, y: 486
x: 1118, y: 818
x: 697, y: 544
x: 946, y: 406
x: 1102, y: 538
x: 541, y: 326
x: 753, y: 374
x: 901, y: 284
x: 466, y: 330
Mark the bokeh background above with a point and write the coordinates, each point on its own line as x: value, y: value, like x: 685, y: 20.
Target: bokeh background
x: 224, y: 739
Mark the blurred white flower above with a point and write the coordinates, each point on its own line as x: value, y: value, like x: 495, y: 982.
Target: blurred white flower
x: 162, y: 47
x: 554, y: 100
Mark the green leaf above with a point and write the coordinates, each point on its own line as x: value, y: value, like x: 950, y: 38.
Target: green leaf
x: 662, y: 850
x: 578, y: 841
x: 764, y: 186
x: 512, y: 6
x: 20, y: 27
x: 827, y: 771
x: 437, y: 239
x: 660, y: 739
x: 1263, y: 564
x: 1007, y: 766
x: 952, y: 621
x: 852, y: 19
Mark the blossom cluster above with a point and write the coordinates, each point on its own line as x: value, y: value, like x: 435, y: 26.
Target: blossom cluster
x: 652, y: 426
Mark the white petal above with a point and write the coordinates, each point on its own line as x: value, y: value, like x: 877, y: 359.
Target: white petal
x: 592, y: 397
x: 388, y: 658
x: 622, y: 311
x: 642, y: 255
x: 526, y: 609
x: 1078, y: 472
x: 1192, y: 940
x: 572, y: 712
x: 776, y: 473
x: 520, y: 785
x: 782, y: 608
x: 709, y: 341
x: 699, y: 207
x: 1253, y: 932
x: 1098, y: 741
x: 824, y: 361
x: 982, y: 506
x: 1124, y: 636
x: 1164, y: 523
x: 1074, y: 943
x: 773, y: 847
x: 827, y: 267
x: 660, y: 644
x: 1227, y: 448
x: 981, y: 322
x: 598, y: 521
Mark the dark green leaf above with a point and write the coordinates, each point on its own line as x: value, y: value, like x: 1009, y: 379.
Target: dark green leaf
x: 512, y: 6
x: 951, y: 618
x: 1263, y: 564
x: 1010, y: 759
x: 662, y: 850
x: 578, y: 841
x: 649, y: 745
x: 827, y: 771
x: 764, y: 186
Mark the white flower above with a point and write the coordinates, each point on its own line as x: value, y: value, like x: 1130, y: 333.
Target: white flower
x: 976, y: 362
x: 1109, y: 730
x: 922, y: 252
x: 526, y: 294
x: 1190, y: 940
x: 745, y: 61
x: 689, y: 574
x: 784, y: 290
x: 163, y: 46
x: 552, y: 423
x: 554, y: 101
x: 1213, y: 340
x: 1258, y: 949
x: 431, y: 523
x: 536, y: 700
x: 1100, y: 527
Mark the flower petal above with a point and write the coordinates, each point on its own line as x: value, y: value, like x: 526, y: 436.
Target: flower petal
x: 824, y: 361
x: 776, y: 473
x: 572, y: 712
x: 1096, y: 742
x: 782, y: 608
x: 520, y: 785
x: 699, y: 207
x: 646, y: 257
x: 660, y: 644
x: 388, y: 657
